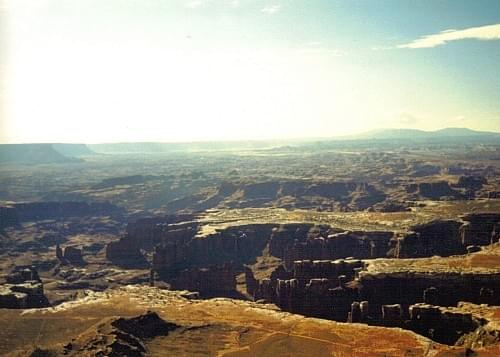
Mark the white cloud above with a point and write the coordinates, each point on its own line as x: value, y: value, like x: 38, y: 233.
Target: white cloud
x: 489, y: 32
x: 271, y: 9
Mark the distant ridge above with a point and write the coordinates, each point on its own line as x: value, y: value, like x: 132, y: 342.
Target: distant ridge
x: 73, y: 150
x: 64, y: 153
x: 43, y: 153
x: 422, y: 134
x: 170, y: 147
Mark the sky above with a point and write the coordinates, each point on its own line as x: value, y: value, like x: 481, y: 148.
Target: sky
x: 173, y: 70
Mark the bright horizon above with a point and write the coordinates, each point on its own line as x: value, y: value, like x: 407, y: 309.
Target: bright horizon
x: 180, y: 71
x: 353, y: 136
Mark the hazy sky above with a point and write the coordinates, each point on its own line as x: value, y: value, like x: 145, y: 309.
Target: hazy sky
x: 172, y: 70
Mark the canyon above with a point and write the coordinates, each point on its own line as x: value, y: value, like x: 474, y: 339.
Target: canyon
x: 387, y: 243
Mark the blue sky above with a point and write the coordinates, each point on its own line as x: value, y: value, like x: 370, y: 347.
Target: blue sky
x: 173, y: 70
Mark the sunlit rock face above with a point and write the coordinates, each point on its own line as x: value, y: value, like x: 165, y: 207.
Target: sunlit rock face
x: 140, y: 320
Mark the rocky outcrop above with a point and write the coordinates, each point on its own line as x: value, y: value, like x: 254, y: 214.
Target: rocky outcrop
x: 407, y: 288
x: 177, y: 249
x: 168, y: 255
x: 392, y: 315
x: 22, y: 296
x: 238, y: 244
x: 262, y: 190
x: 21, y: 274
x: 313, y: 298
x: 329, y: 269
x: 360, y: 245
x: 323, y: 195
x: 293, y: 242
x: 472, y: 183
x: 251, y: 283
x: 23, y: 289
x: 122, y: 337
x: 125, y: 252
x: 390, y: 207
x: 211, y: 281
x: 440, y: 237
x: 145, y: 234
x: 480, y: 229
x: 440, y: 324
x: 494, y: 194
x: 173, y: 249
x: 71, y: 255
x: 487, y: 334
x: 433, y: 190
x: 285, y: 235
x: 359, y: 312
x: 448, y: 237
x: 153, y: 231
x: 272, y: 189
x: 145, y: 326
x: 317, y: 288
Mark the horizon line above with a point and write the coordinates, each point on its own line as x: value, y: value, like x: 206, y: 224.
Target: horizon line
x: 303, y: 138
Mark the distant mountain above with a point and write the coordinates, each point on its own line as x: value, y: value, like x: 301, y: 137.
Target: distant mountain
x: 73, y: 150
x: 166, y: 147
x: 463, y: 132
x: 42, y: 153
x: 400, y: 134
x: 65, y: 153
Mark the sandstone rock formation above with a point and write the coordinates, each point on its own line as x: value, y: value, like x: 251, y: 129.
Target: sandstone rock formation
x: 360, y: 245
x: 433, y: 190
x: 23, y: 289
x: 440, y: 324
x: 480, y: 228
x: 145, y: 234
x: 211, y: 281
x: 439, y: 237
x: 318, y: 288
x: 122, y: 337
x: 71, y: 255
x: 407, y: 288
x: 250, y: 281
x: 472, y: 183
